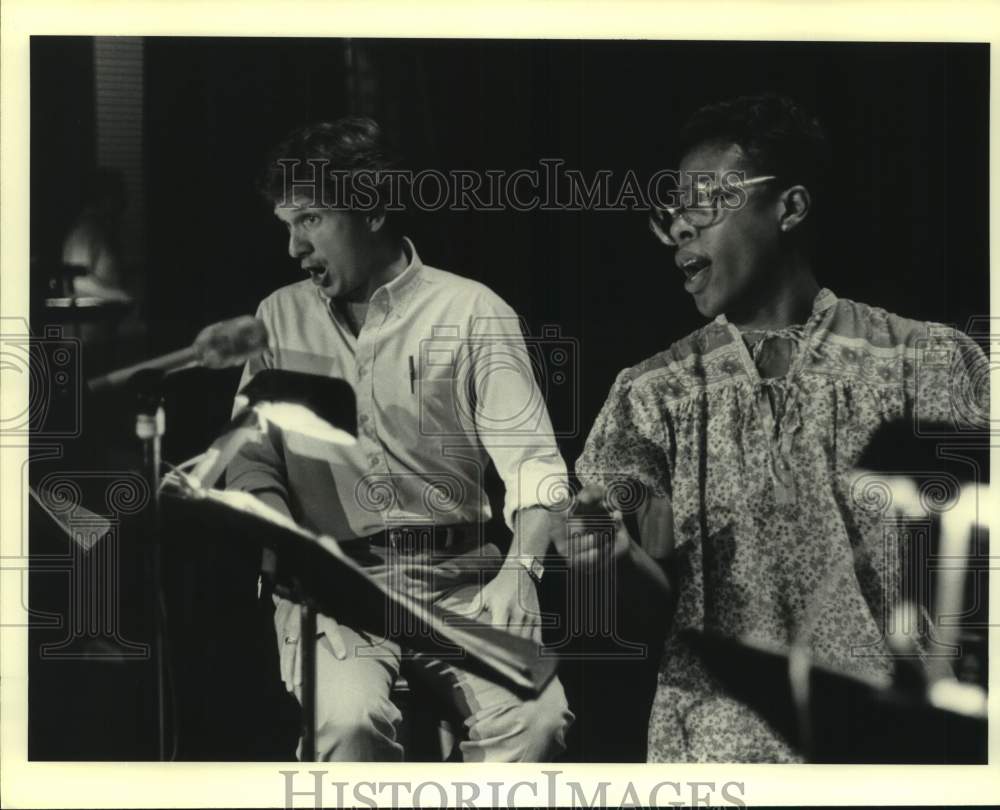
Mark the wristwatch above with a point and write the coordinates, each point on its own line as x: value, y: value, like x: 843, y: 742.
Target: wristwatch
x: 534, y: 567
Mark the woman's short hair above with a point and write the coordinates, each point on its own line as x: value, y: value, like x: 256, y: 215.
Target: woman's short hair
x: 777, y: 135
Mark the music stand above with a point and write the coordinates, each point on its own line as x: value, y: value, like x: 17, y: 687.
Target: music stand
x: 324, y: 405
x: 841, y: 717
x: 320, y: 406
x: 324, y: 575
x: 328, y: 580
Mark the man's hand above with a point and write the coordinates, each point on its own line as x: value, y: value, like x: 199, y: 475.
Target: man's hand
x: 511, y: 599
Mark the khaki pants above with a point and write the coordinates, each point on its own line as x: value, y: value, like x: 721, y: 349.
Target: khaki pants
x: 355, y: 719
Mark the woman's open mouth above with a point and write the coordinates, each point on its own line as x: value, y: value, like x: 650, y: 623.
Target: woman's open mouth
x: 696, y: 271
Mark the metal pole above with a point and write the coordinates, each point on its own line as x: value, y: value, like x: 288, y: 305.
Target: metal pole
x: 150, y: 426
x: 308, y: 639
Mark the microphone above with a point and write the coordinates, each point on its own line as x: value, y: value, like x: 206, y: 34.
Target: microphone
x: 220, y: 345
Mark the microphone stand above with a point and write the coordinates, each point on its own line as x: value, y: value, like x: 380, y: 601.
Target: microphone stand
x: 150, y: 425
x: 308, y: 639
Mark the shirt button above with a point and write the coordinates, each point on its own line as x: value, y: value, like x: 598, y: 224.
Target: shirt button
x: 373, y: 460
x: 363, y: 419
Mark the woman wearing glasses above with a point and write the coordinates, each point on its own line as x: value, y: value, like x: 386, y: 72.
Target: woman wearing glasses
x: 743, y: 434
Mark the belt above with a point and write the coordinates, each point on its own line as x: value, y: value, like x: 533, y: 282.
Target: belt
x: 423, y: 538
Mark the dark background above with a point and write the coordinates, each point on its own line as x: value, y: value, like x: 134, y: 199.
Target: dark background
x: 905, y: 229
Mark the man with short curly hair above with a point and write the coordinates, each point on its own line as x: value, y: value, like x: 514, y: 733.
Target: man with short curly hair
x: 433, y: 360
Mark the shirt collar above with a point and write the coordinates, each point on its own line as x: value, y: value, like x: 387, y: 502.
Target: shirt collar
x: 398, y: 290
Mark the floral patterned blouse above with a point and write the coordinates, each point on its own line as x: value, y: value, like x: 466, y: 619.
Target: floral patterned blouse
x: 772, y: 541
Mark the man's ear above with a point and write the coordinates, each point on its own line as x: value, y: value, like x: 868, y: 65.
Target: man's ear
x: 794, y: 207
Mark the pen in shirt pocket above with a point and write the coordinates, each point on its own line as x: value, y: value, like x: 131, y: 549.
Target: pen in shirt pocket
x: 413, y: 375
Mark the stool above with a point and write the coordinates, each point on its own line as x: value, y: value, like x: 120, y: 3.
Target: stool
x: 425, y: 734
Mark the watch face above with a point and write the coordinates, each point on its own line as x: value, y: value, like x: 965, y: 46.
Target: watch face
x: 534, y: 568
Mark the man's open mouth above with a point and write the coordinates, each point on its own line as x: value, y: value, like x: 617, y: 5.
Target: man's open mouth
x: 317, y: 273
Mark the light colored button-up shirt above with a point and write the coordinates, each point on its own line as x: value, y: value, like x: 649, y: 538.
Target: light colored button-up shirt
x: 444, y: 384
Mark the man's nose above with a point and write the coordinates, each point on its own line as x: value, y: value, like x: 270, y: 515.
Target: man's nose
x: 297, y: 245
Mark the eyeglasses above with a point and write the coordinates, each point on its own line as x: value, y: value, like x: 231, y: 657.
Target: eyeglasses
x: 706, y: 210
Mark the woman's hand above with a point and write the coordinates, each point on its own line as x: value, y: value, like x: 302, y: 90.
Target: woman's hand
x: 594, y: 534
